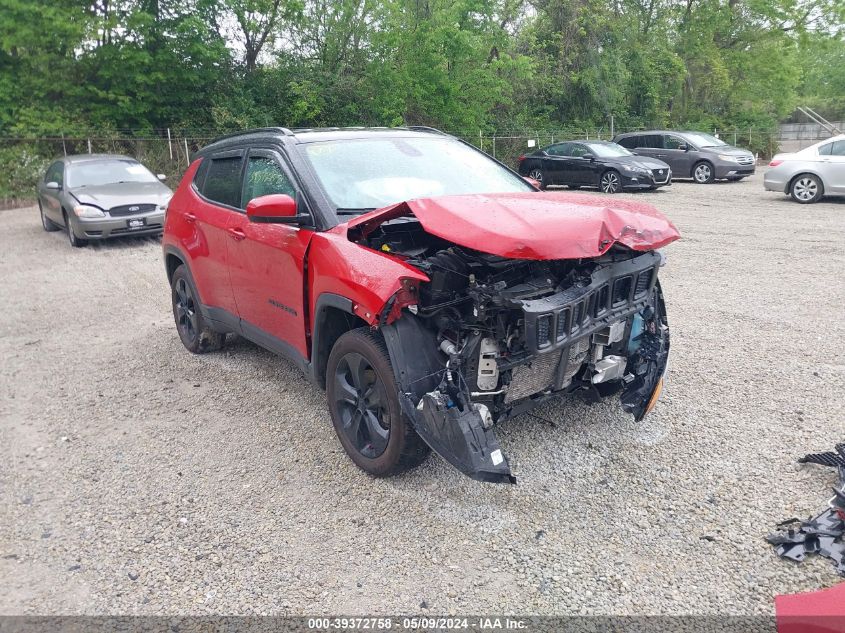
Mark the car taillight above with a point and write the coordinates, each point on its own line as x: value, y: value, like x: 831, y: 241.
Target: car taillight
x: 521, y: 158
x: 775, y: 163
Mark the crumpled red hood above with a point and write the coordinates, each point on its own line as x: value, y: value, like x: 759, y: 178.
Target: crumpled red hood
x: 538, y: 225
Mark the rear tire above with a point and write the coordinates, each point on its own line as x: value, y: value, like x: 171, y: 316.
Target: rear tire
x: 703, y: 173
x: 75, y: 242
x: 196, y: 335
x: 364, y: 405
x: 806, y: 188
x: 46, y: 223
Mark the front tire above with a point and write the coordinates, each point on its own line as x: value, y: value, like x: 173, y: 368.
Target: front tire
x: 46, y: 223
x: 703, y: 173
x: 75, y: 242
x: 806, y: 188
x: 364, y: 405
x: 538, y: 175
x: 196, y: 335
x: 610, y: 182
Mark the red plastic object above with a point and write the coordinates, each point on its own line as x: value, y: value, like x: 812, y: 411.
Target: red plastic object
x: 814, y: 612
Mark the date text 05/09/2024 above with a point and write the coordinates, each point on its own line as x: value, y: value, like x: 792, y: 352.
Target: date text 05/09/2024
x: 416, y: 623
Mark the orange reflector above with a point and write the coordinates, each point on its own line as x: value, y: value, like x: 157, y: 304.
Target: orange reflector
x: 654, y: 396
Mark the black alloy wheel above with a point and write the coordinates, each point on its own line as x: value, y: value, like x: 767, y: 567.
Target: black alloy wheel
x: 361, y: 402
x: 364, y: 404
x: 196, y: 335
x: 185, y: 311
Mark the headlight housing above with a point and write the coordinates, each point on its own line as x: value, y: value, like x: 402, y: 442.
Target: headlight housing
x: 88, y: 211
x: 728, y: 157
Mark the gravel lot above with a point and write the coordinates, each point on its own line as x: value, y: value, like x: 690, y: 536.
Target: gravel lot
x: 137, y: 478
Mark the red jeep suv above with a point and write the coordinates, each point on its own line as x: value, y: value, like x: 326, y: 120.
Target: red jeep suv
x: 429, y: 289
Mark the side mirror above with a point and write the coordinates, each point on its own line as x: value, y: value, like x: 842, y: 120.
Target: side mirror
x: 683, y: 147
x: 277, y: 208
x: 588, y: 156
x: 161, y: 177
x: 532, y: 182
x: 53, y: 185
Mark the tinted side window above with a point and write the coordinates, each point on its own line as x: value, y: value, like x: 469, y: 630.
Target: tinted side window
x: 630, y: 142
x: 223, y: 182
x: 263, y: 178
x: 55, y: 173
x: 654, y: 141
x: 838, y: 148
x: 561, y: 149
x: 578, y: 151
x: 199, y: 176
x: 673, y: 142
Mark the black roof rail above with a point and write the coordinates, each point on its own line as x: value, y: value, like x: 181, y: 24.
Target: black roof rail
x: 255, y: 130
x: 426, y: 128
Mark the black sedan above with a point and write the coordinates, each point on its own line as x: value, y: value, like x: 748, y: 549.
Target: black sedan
x: 602, y: 164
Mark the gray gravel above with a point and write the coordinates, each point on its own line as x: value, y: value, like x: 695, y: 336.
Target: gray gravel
x: 137, y: 478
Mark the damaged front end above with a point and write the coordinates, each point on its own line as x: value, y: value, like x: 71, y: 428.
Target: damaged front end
x: 489, y: 337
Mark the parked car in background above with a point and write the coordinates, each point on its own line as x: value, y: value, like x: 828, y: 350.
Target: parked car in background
x: 813, y: 172
x: 97, y: 196
x: 696, y: 155
x: 431, y: 290
x: 602, y: 164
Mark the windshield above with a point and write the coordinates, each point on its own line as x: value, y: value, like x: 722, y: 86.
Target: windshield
x: 104, y: 172
x: 365, y: 174
x: 608, y: 150
x: 700, y: 139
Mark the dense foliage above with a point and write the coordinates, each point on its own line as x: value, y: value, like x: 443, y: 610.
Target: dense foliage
x: 75, y: 65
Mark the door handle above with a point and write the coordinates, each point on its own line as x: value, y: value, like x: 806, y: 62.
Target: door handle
x: 237, y: 234
x: 661, y: 155
x: 190, y: 217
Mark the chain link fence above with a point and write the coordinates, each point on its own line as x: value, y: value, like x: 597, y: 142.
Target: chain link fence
x: 23, y: 159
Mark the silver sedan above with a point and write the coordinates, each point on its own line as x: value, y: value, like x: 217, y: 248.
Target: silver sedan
x: 97, y: 196
x: 813, y: 172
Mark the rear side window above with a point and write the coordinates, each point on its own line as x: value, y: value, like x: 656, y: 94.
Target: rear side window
x: 629, y: 141
x: 202, y: 170
x: 223, y: 182
x: 263, y: 178
x: 824, y: 150
x: 561, y: 149
x: 55, y: 173
x: 654, y: 141
x: 838, y: 149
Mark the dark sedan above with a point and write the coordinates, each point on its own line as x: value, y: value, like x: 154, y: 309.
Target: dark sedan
x: 97, y: 196
x: 602, y: 164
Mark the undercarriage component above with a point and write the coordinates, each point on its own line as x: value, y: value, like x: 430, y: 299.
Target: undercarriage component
x: 823, y: 534
x: 609, y: 368
x: 462, y: 436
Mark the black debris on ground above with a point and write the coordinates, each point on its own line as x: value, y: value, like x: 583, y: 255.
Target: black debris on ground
x: 823, y: 534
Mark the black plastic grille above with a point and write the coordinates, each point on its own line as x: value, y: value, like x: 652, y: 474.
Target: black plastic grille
x: 131, y: 209
x: 543, y: 326
x: 617, y: 290
x: 643, y: 283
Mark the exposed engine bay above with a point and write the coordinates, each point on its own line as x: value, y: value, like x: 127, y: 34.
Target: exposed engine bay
x: 490, y: 337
